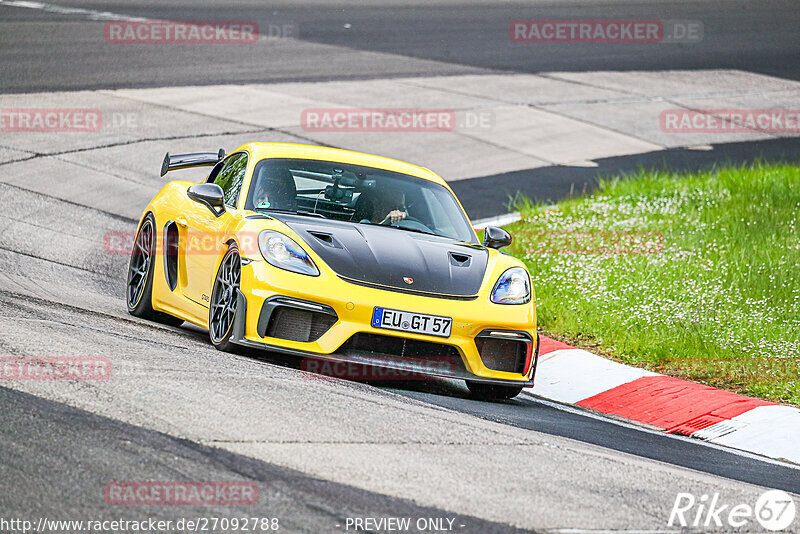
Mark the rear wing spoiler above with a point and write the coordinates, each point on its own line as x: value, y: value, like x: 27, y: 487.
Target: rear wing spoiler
x: 185, y: 161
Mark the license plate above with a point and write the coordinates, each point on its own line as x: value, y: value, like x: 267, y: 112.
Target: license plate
x: 418, y: 323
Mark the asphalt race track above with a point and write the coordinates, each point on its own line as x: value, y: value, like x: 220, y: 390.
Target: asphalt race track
x: 33, y: 427
x: 379, y: 40
x: 324, y: 450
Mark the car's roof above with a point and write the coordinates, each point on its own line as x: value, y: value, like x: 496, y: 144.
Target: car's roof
x: 261, y: 150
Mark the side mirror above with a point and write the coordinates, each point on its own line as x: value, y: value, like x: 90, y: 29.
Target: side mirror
x: 209, y: 194
x: 494, y: 237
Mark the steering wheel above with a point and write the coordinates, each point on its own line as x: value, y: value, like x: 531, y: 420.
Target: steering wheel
x: 409, y: 222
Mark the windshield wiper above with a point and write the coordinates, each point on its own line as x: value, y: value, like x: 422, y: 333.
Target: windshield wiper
x: 417, y: 230
x: 311, y: 214
x: 407, y: 229
x: 290, y: 212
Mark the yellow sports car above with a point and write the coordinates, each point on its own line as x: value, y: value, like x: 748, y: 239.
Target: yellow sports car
x: 336, y: 256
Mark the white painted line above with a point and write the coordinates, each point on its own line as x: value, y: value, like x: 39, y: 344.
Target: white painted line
x: 500, y: 220
x: 704, y: 148
x: 89, y: 14
x: 581, y: 163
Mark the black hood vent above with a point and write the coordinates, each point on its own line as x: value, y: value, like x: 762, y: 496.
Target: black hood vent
x: 385, y: 256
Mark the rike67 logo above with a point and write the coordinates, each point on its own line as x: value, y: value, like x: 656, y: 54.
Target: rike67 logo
x: 774, y: 510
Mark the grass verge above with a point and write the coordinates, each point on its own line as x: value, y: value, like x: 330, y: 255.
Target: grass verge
x: 690, y: 275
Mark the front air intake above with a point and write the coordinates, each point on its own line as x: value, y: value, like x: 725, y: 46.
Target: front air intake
x: 398, y: 346
x: 500, y: 353
x: 294, y: 324
x: 402, y: 353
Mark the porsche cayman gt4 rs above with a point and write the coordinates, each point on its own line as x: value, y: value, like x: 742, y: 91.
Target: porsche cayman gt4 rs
x: 335, y: 256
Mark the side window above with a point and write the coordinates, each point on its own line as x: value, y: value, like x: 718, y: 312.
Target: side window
x: 231, y: 177
x: 214, y: 172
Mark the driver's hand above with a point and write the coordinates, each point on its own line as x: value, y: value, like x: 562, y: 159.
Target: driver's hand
x: 394, y: 216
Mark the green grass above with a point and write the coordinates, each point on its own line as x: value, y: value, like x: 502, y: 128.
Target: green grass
x: 691, y: 275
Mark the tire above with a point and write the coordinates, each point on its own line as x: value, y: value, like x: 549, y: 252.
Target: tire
x: 492, y: 392
x: 222, y: 310
x: 139, y: 284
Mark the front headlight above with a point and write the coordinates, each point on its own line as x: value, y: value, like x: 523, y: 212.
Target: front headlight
x: 513, y: 287
x: 283, y: 252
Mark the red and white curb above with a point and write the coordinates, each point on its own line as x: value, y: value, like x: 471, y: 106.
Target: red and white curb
x: 574, y: 376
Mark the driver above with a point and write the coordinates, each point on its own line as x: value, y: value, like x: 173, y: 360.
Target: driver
x: 386, y: 206
x: 275, y: 188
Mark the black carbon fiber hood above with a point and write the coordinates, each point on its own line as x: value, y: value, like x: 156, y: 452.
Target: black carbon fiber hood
x: 387, y: 256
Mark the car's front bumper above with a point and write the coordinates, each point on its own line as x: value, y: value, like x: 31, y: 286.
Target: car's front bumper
x: 353, y: 306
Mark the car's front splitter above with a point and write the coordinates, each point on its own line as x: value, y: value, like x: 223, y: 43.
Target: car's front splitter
x: 406, y: 368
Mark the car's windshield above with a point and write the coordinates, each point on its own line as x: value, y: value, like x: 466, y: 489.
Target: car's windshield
x: 362, y: 195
